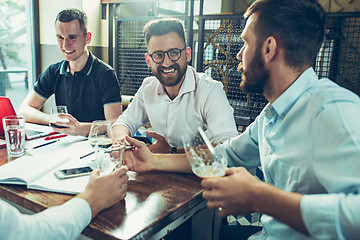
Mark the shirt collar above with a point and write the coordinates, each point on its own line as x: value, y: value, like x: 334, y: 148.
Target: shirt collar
x: 86, y: 69
x: 286, y: 100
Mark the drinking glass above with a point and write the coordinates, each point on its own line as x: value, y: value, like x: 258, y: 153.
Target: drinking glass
x: 117, y: 151
x: 101, y: 134
x: 205, y: 162
x: 101, y: 138
x: 14, y: 127
x: 55, y: 120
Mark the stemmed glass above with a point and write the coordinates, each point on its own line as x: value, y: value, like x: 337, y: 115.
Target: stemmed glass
x: 101, y: 134
x: 205, y: 161
x: 101, y: 138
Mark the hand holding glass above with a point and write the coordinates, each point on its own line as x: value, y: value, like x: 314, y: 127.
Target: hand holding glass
x: 203, y: 163
x: 55, y: 120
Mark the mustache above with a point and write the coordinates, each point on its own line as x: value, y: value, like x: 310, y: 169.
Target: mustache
x: 170, y: 67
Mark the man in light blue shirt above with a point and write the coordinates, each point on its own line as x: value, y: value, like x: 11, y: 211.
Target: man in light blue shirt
x: 307, y: 139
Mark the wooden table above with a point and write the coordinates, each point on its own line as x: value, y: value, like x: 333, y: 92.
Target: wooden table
x: 156, y: 203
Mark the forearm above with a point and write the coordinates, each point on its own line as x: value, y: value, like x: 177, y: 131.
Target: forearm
x: 84, y: 129
x: 34, y: 115
x: 283, y: 206
x: 171, y: 163
x: 112, y: 112
x: 120, y: 131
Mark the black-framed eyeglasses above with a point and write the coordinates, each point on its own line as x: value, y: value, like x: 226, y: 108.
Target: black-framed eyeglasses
x: 174, y: 54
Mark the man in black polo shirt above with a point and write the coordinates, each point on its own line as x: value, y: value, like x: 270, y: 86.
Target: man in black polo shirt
x: 85, y: 84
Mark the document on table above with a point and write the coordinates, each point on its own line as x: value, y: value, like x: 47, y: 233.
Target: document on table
x: 54, y: 147
x: 37, y: 172
x: 58, y: 146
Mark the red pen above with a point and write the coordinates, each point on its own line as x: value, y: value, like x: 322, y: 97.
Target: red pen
x: 55, y: 136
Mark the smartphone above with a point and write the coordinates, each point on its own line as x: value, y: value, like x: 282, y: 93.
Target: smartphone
x: 57, y: 126
x: 73, y: 172
x: 143, y: 139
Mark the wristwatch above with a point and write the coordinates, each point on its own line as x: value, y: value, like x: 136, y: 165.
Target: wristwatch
x: 174, y: 150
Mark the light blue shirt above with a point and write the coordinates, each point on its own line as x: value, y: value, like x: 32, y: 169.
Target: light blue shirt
x: 308, y: 141
x: 60, y: 222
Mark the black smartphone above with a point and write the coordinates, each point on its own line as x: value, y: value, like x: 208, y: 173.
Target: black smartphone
x: 143, y: 139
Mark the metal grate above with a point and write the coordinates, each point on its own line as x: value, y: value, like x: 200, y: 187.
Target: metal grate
x: 219, y: 36
x: 130, y: 64
x: 338, y: 59
x: 339, y: 56
x: 222, y: 41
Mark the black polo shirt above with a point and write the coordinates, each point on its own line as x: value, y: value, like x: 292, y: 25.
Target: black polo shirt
x: 86, y: 92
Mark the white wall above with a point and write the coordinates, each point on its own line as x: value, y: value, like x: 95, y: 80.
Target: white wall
x: 49, y: 9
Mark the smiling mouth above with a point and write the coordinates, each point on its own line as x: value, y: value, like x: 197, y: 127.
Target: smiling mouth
x: 168, y: 71
x: 69, y: 52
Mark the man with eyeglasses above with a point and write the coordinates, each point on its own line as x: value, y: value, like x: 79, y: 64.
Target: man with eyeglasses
x: 177, y: 99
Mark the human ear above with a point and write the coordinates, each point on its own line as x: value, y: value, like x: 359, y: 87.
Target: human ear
x: 188, y: 54
x: 88, y: 37
x: 147, y: 59
x: 269, y: 48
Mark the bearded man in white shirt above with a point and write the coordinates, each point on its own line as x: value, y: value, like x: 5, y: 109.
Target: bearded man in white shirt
x: 177, y: 99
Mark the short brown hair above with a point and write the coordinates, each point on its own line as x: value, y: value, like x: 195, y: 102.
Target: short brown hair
x: 163, y: 26
x: 67, y: 15
x: 298, y: 26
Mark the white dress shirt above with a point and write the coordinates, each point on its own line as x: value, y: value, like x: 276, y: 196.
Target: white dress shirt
x: 201, y: 102
x: 61, y: 222
x: 308, y: 141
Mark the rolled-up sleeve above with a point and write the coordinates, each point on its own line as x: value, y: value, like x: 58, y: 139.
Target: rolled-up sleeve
x: 321, y: 215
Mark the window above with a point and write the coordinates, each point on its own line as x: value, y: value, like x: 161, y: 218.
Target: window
x: 14, y: 50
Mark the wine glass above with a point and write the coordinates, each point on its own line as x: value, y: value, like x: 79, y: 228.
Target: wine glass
x: 205, y: 162
x: 101, y: 138
x: 55, y: 120
x: 101, y: 134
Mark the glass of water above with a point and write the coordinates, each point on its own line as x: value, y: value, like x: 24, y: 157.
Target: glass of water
x: 14, y: 127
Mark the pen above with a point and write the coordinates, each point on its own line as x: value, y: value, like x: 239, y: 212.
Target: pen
x: 130, y: 148
x: 44, y: 144
x: 55, y: 136
x: 118, y: 148
x: 86, y: 155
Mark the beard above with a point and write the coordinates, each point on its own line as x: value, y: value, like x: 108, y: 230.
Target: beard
x: 173, y: 80
x: 255, y: 76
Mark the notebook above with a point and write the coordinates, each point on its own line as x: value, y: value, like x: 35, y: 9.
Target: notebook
x: 7, y: 109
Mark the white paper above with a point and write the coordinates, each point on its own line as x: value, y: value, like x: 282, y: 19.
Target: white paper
x: 37, y: 172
